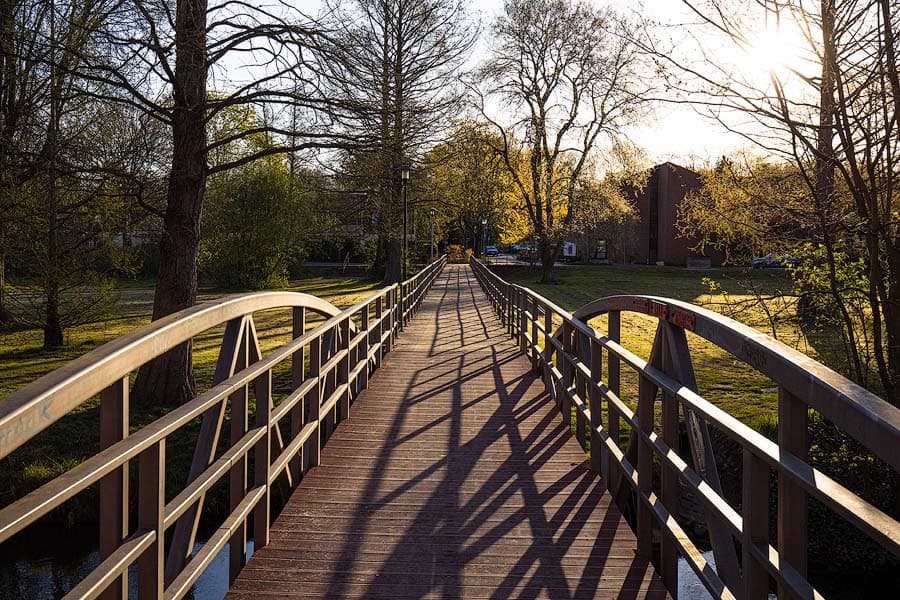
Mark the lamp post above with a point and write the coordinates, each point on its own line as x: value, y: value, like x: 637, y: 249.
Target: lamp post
x: 433, y: 211
x: 404, y: 181
x: 483, y: 236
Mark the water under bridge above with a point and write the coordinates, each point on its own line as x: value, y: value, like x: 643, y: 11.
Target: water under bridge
x: 453, y: 436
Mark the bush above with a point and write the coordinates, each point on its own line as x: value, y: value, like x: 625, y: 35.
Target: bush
x: 254, y: 227
x: 456, y: 254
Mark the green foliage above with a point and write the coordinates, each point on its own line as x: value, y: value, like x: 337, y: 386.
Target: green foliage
x: 457, y: 255
x: 255, y: 226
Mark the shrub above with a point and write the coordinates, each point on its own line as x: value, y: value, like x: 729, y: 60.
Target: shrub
x: 457, y: 255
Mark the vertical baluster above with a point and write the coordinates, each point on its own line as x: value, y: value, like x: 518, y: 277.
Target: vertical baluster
x: 548, y: 343
x: 262, y: 459
x: 599, y: 450
x: 379, y: 314
x: 755, y: 525
x: 793, y: 427
x: 151, y: 507
x: 114, y: 487
x: 363, y: 355
x: 581, y: 349
x: 646, y: 400
x: 298, y: 328
x: 535, y: 363
x: 315, y: 400
x: 614, y: 333
x: 565, y: 367
x: 343, y: 374
x: 392, y: 318
x: 669, y: 491
x: 237, y: 477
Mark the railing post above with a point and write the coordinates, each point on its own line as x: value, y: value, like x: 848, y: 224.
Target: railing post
x: 237, y: 477
x: 565, y: 367
x: 315, y: 399
x: 614, y: 333
x: 646, y: 401
x: 379, y: 313
x: 344, y: 370
x: 793, y: 424
x: 363, y: 353
x: 298, y: 328
x: 114, y: 487
x: 599, y: 451
x: 582, y: 350
x: 151, y: 507
x: 392, y: 312
x: 669, y: 484
x: 535, y: 363
x: 262, y: 459
x: 755, y: 525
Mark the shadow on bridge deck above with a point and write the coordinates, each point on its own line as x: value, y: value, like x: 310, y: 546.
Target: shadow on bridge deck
x: 453, y: 478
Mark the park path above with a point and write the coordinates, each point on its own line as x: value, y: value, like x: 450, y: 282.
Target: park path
x: 453, y: 478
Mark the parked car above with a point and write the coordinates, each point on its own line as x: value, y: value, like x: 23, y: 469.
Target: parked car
x: 491, y: 251
x: 775, y: 262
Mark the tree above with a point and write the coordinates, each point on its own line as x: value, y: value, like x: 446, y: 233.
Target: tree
x: 834, y: 117
x: 396, y: 69
x: 256, y: 226
x: 159, y: 58
x: 469, y: 183
x: 571, y: 73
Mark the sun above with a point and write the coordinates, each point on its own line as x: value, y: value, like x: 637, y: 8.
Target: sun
x: 779, y: 49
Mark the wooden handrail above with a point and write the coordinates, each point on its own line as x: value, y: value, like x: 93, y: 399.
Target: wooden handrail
x: 570, y: 355
x: 331, y: 365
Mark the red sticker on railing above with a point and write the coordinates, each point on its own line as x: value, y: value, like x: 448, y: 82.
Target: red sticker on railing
x: 651, y: 307
x: 682, y: 318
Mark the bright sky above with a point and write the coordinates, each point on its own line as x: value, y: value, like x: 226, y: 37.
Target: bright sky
x: 674, y: 132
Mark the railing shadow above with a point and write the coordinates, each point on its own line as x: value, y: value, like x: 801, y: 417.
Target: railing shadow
x: 493, y: 491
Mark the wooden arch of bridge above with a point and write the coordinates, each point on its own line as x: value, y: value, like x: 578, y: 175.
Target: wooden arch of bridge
x: 454, y: 478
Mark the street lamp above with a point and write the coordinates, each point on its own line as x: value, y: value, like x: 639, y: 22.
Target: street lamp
x: 433, y: 211
x: 404, y: 181
x: 483, y: 236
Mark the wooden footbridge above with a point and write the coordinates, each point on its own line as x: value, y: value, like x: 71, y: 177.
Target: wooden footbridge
x: 431, y: 441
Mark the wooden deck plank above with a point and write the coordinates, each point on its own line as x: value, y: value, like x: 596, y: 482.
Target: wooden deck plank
x: 453, y: 478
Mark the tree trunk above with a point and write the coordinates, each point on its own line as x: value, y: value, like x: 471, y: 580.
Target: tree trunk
x: 5, y: 315
x: 53, y: 333
x: 392, y: 271
x: 548, y: 257
x: 169, y: 380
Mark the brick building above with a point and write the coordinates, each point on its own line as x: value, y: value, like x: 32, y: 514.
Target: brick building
x: 655, y: 239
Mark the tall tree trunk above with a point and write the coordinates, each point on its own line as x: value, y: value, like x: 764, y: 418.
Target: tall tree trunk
x: 5, y: 315
x: 392, y: 271
x: 53, y: 333
x: 169, y: 379
x: 548, y: 257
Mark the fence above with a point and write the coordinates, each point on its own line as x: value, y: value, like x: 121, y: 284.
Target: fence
x: 329, y: 366
x: 571, y: 357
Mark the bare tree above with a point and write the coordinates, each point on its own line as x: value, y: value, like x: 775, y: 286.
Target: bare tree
x: 184, y: 63
x: 571, y: 73
x: 398, y: 68
x: 836, y: 120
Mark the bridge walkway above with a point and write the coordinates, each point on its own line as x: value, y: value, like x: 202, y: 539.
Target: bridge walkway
x: 453, y: 478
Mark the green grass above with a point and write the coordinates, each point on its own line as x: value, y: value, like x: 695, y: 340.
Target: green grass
x: 75, y: 437
x: 722, y: 379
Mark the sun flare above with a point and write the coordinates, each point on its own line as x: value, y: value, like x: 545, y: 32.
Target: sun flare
x: 779, y: 49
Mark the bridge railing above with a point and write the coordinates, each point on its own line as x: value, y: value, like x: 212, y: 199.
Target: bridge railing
x: 572, y: 357
x: 330, y: 365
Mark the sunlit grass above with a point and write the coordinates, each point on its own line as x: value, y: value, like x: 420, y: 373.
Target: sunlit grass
x: 722, y: 379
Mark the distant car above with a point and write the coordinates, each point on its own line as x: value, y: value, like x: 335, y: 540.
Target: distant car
x: 491, y: 251
x: 772, y: 262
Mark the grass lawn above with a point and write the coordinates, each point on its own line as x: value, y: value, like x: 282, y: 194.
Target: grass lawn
x: 76, y: 436
x: 722, y: 379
